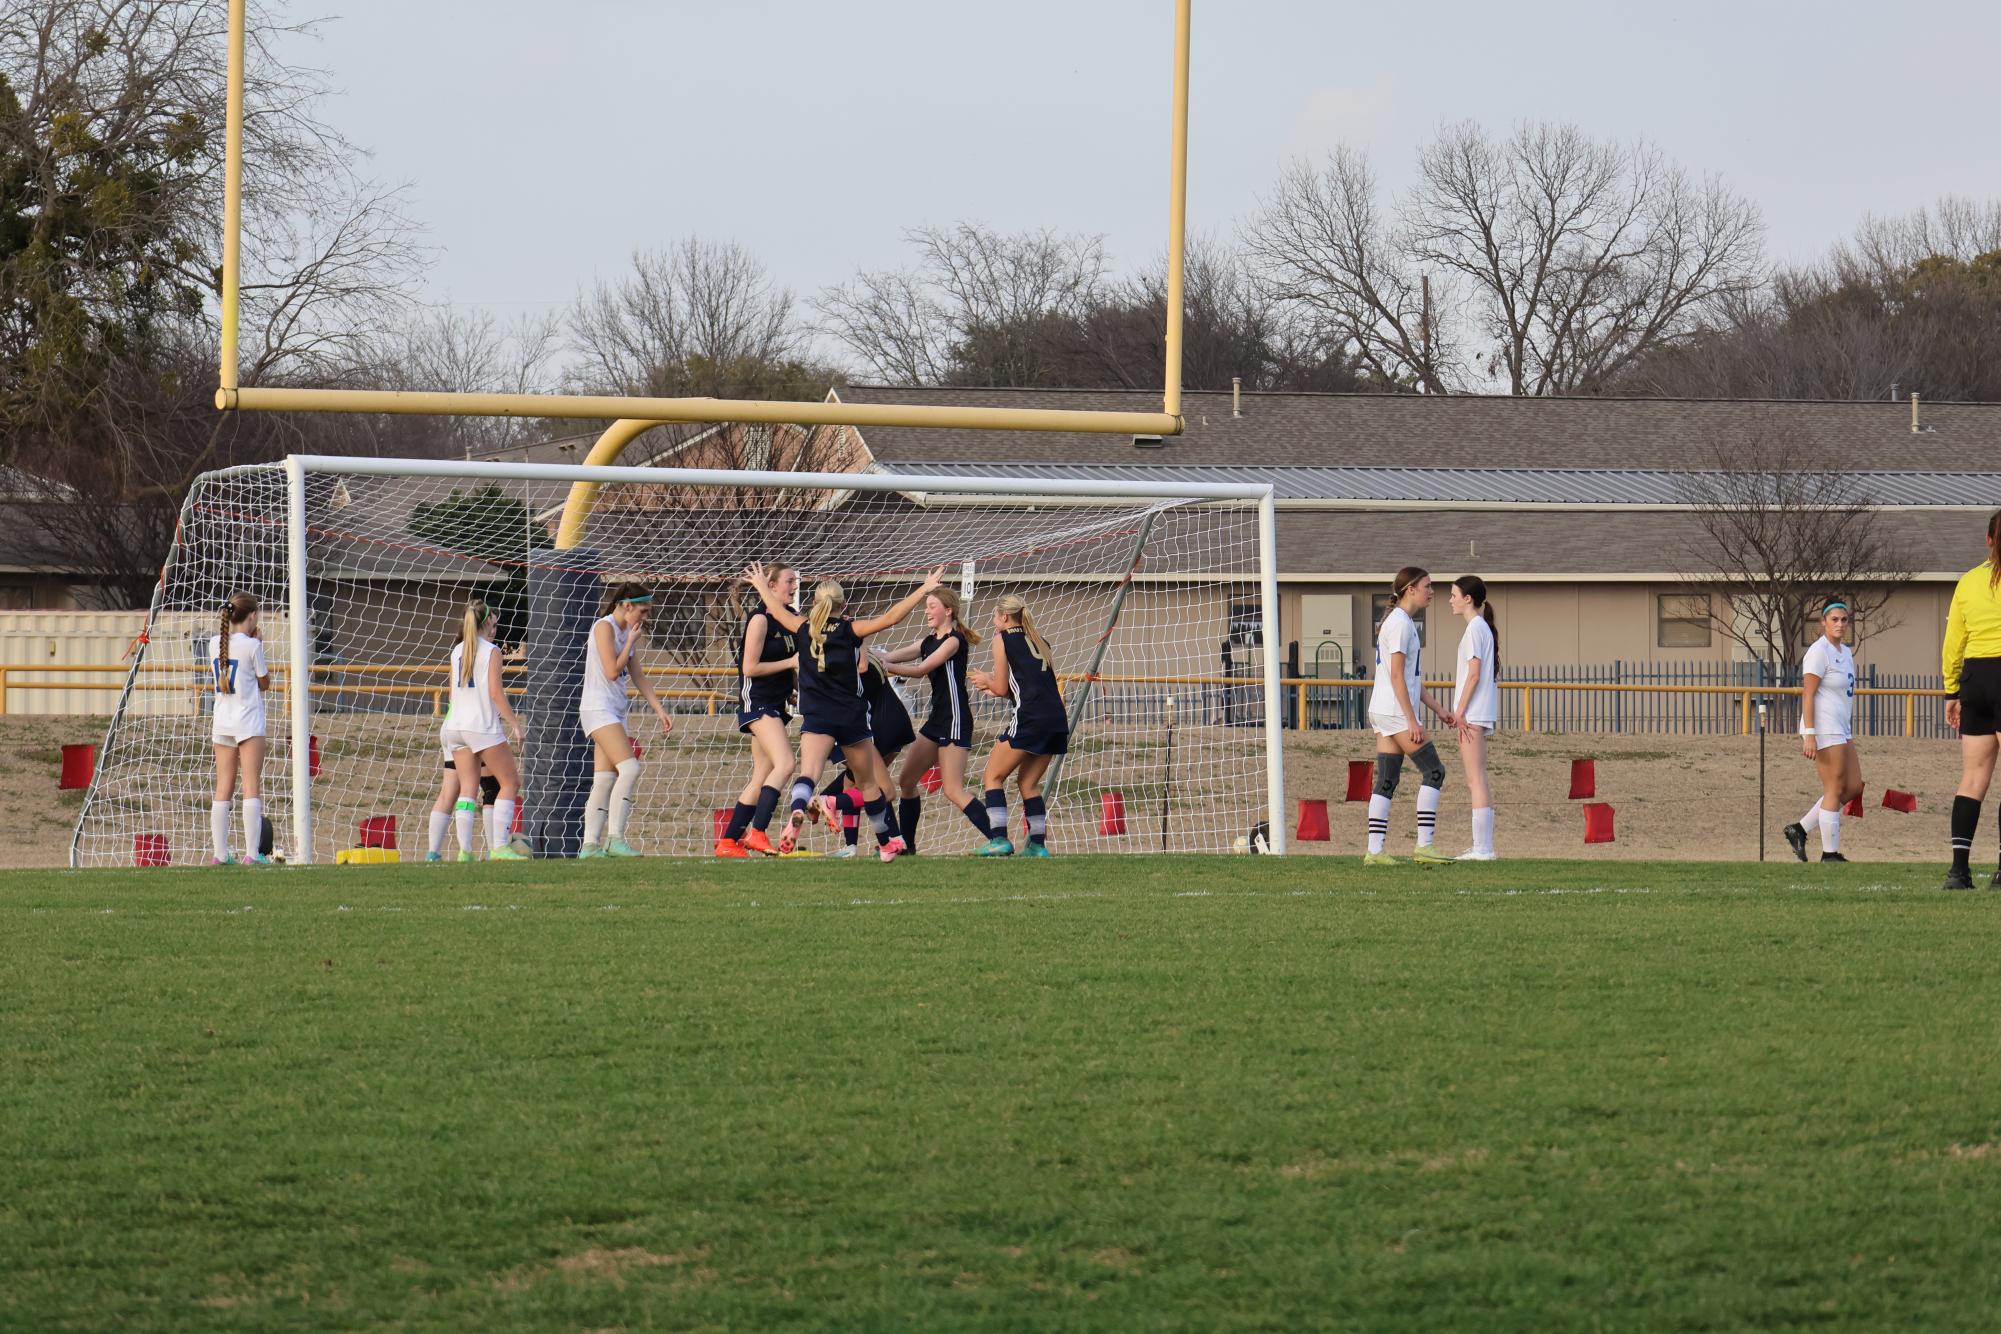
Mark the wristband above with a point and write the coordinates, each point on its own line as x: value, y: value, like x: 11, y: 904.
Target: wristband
x: 1808, y: 731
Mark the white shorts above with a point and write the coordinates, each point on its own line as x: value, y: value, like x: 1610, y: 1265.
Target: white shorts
x: 592, y: 719
x: 1827, y: 740
x: 1485, y: 729
x: 1388, y: 724
x: 224, y: 739
x: 452, y: 740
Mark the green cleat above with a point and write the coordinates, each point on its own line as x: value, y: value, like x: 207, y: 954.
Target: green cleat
x: 1035, y: 849
x: 465, y: 857
x: 590, y: 850
x: 504, y: 853
x: 1431, y: 856
x: 996, y: 847
x: 1379, y: 859
x: 618, y: 847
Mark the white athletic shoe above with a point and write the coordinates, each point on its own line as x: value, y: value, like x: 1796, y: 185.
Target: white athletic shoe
x: 1478, y: 855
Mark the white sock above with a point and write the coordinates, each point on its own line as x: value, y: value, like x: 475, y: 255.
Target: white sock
x: 440, y: 822
x: 1830, y: 831
x: 218, y: 827
x: 1379, y: 820
x: 253, y: 827
x: 463, y: 819
x: 1483, y: 829
x: 621, y: 797
x: 491, y: 828
x: 503, y: 823
x: 1427, y: 814
x: 599, y: 806
x: 1811, y: 820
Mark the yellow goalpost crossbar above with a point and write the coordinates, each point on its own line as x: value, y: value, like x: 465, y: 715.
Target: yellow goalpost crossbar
x: 631, y: 416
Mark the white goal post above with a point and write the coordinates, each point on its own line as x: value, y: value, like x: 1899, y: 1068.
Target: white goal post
x: 363, y: 567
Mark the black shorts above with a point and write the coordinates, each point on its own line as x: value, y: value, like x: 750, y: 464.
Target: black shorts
x: 939, y: 732
x: 1980, y: 697
x: 1037, y: 741
x: 892, y: 734
x: 745, y: 717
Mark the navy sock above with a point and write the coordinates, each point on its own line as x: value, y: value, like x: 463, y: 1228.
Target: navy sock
x: 881, y: 819
x: 976, y: 811
x: 1037, y: 811
x: 908, y: 812
x: 802, y: 792
x: 851, y: 826
x: 997, y: 812
x: 740, y: 819
x: 767, y: 802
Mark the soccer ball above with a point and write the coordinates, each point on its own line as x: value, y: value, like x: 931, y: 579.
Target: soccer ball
x: 1243, y: 843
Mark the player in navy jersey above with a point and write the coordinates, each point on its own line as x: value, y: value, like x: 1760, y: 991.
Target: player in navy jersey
x: 890, y: 720
x: 1037, y: 731
x: 833, y: 709
x: 767, y: 674
x: 946, y: 738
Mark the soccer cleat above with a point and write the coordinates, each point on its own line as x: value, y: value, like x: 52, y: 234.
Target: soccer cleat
x: 505, y: 853
x: 845, y: 851
x: 729, y: 847
x: 756, y: 840
x: 1958, y: 879
x: 997, y: 846
x: 224, y: 860
x: 788, y: 838
x: 824, y: 807
x: 1430, y: 856
x: 1796, y: 835
x: 1379, y: 859
x: 257, y: 859
x: 590, y: 850
x: 1035, y: 849
x: 434, y: 856
x: 465, y: 857
x: 889, y: 851
x: 1833, y: 857
x: 1995, y: 883
x: 618, y: 847
x: 1477, y: 855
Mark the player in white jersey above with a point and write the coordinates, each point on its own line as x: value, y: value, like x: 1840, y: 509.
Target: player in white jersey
x: 1476, y: 704
x: 238, y: 679
x: 471, y: 736
x: 1399, y: 689
x: 611, y: 664
x: 1827, y: 704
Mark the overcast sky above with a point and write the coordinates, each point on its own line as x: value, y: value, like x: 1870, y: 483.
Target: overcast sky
x: 544, y: 143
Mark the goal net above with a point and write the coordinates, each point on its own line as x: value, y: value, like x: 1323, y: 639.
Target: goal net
x: 1153, y: 598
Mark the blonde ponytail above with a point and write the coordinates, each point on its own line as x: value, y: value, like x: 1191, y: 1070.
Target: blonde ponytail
x: 1012, y: 605
x: 234, y: 613
x: 475, y: 617
x: 828, y: 598
x: 951, y: 603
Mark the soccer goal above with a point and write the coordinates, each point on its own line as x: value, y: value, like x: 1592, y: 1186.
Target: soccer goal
x: 364, y: 566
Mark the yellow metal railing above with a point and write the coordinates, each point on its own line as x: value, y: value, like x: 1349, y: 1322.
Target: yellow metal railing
x: 413, y: 682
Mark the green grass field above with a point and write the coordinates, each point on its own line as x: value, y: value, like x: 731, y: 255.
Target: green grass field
x: 1085, y: 1094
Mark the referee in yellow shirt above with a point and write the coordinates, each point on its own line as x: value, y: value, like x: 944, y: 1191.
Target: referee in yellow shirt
x: 1972, y: 666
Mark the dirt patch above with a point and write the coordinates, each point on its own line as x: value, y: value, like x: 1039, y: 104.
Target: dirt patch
x: 607, y: 1265
x: 1114, y: 1257
x: 1315, y: 1166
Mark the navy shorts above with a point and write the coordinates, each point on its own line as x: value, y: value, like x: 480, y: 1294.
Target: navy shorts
x: 844, y: 731
x: 1037, y: 741
x: 745, y: 717
x: 940, y: 733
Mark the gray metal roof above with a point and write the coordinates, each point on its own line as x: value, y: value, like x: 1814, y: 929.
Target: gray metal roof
x: 1476, y: 486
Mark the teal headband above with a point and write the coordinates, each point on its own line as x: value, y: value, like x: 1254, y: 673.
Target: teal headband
x: 643, y: 597
x: 1836, y: 605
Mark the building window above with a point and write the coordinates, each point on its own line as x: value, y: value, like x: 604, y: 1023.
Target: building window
x: 1247, y: 623
x: 1683, y: 620
x: 1379, y: 607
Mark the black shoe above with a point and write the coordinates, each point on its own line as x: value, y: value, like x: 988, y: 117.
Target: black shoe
x: 1958, y: 879
x: 1796, y: 835
x: 1995, y: 883
x: 1826, y: 857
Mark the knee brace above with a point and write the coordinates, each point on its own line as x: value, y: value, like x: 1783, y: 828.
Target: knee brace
x: 1389, y: 769
x: 1430, y: 769
x: 489, y: 790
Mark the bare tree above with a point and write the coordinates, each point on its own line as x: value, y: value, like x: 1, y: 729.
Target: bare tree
x: 697, y: 318
x: 460, y: 351
x: 970, y: 311
x: 1775, y: 533
x: 1554, y: 260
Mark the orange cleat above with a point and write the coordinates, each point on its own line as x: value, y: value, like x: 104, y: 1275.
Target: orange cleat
x: 729, y: 847
x: 756, y: 840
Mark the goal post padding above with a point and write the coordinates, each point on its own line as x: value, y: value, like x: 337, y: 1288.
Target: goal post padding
x: 1137, y: 587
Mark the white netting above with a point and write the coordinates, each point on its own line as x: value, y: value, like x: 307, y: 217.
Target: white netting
x: 1172, y: 725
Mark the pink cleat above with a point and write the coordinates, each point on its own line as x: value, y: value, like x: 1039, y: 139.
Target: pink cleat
x: 825, y: 808
x: 891, y: 850
x: 788, y: 839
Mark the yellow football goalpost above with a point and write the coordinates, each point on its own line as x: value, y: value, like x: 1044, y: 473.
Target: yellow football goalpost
x: 632, y: 416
